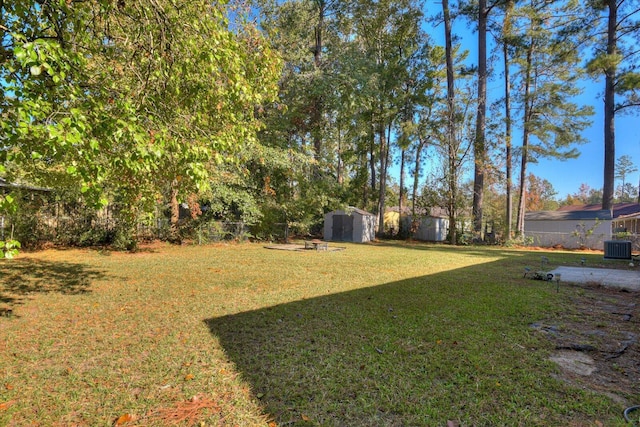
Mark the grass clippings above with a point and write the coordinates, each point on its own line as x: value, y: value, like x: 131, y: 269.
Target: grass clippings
x: 186, y: 413
x: 382, y: 334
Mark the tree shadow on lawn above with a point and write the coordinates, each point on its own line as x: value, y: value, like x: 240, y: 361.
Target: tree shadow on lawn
x: 448, y: 346
x: 20, y: 278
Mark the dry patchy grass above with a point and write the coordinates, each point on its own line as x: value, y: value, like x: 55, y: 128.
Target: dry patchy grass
x: 381, y: 334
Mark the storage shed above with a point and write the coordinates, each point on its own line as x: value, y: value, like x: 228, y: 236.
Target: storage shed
x: 350, y: 225
x: 430, y: 228
x: 569, y: 229
x: 432, y: 224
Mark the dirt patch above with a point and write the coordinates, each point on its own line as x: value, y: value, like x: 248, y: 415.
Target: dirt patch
x: 597, y: 341
x: 297, y: 247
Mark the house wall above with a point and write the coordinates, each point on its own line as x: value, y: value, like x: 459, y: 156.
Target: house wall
x: 630, y: 225
x: 392, y: 221
x: 571, y: 234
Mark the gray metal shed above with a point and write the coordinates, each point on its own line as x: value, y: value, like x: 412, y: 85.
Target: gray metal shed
x: 350, y: 225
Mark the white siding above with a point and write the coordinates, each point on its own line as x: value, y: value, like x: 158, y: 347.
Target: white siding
x: 570, y: 234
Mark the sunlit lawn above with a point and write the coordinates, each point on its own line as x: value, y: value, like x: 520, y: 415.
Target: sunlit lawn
x: 374, y: 335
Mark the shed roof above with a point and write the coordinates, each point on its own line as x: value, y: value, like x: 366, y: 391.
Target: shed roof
x: 434, y: 211
x: 350, y: 210
x: 360, y: 211
x: 574, y: 215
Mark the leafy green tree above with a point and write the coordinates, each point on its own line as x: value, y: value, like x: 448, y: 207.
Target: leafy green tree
x: 626, y: 193
x: 455, y: 142
x: 625, y: 167
x: 350, y: 82
x: 198, y: 88
x: 505, y: 42
x: 615, y: 30
x: 479, y: 149
x: 585, y: 196
x: 306, y: 120
x: 129, y: 99
x: 548, y: 71
x: 541, y: 196
x: 387, y: 36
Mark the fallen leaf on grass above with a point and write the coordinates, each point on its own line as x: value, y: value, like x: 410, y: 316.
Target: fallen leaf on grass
x: 305, y: 418
x: 123, y: 419
x: 8, y: 386
x: 189, y: 377
x: 6, y: 405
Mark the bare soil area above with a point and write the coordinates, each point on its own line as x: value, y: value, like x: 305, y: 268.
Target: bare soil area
x: 597, y: 341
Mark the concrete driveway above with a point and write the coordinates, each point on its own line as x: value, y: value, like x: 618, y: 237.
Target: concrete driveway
x: 623, y: 279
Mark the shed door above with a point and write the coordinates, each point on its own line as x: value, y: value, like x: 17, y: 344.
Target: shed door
x: 342, y: 228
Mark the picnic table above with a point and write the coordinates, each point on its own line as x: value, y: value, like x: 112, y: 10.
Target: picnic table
x: 316, y: 244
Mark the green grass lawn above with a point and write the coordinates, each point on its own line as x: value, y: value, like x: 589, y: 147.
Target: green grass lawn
x: 383, y: 334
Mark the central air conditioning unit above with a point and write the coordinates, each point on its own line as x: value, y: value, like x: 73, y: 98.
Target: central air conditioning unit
x: 617, y: 249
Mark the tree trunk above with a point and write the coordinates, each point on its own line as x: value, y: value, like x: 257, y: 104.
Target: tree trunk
x: 316, y: 115
x: 414, y: 192
x: 416, y: 179
x: 525, y: 139
x: 365, y: 185
x: 508, y: 148
x: 506, y: 31
x: 175, y: 212
x: 479, y: 148
x: 609, y: 110
x: 372, y: 159
x: 452, y: 177
x: 401, y: 195
x: 382, y: 184
x: 340, y: 163
x: 523, y: 185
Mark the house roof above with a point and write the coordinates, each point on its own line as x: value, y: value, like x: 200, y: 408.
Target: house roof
x: 619, y: 209
x: 573, y: 215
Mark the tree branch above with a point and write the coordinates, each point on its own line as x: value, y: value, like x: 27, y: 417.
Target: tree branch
x: 625, y: 106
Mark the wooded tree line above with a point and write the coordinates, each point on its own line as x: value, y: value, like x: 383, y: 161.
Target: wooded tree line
x: 279, y: 111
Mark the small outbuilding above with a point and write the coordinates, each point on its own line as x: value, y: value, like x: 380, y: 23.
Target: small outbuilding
x: 350, y: 225
x: 431, y: 224
x: 430, y: 228
x: 569, y: 229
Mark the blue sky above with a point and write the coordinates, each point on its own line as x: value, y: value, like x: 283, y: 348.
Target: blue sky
x: 565, y: 176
